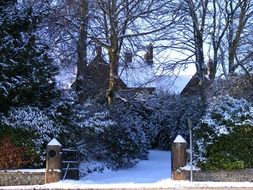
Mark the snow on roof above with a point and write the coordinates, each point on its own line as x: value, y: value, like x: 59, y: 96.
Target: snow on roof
x: 169, y: 83
x: 140, y: 74
x: 179, y: 139
x: 54, y: 142
x: 137, y: 74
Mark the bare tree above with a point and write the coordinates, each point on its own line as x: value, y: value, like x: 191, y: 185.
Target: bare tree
x: 198, y: 12
x: 218, y: 25
x: 66, y: 27
x: 119, y: 23
x: 218, y: 29
x: 82, y: 50
x: 238, y: 13
x: 191, y: 33
x: 229, y: 23
x: 184, y: 26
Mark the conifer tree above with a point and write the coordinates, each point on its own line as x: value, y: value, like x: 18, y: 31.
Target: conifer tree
x: 26, y: 71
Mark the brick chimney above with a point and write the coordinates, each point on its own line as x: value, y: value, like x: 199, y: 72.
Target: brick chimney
x: 149, y: 54
x: 128, y: 56
x: 98, y: 51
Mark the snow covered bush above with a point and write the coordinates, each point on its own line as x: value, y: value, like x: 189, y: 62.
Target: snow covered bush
x: 170, y: 115
x: 102, y: 133
x: 64, y: 113
x: 238, y: 86
x: 129, y: 133
x: 30, y: 128
x: 225, y: 137
x: 109, y: 136
x: 26, y: 71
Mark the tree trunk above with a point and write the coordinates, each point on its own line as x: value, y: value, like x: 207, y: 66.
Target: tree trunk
x: 82, y: 51
x: 200, y: 57
x: 113, y: 52
x: 215, y: 63
x: 113, y: 75
x: 198, y: 29
x: 235, y: 35
x: 231, y: 60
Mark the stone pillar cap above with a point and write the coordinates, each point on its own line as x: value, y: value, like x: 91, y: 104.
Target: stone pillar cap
x: 179, y: 139
x: 54, y: 142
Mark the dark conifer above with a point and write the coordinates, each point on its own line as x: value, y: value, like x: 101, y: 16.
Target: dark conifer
x: 26, y: 71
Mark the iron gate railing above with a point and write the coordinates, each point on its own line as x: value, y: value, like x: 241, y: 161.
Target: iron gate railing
x: 70, y: 163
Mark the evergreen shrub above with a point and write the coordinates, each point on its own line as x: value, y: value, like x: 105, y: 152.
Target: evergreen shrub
x: 224, y: 140
x: 113, y: 135
x: 29, y: 128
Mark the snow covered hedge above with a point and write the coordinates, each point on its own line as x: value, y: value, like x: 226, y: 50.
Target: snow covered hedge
x: 129, y: 132
x: 30, y: 128
x: 225, y: 137
x: 113, y: 135
x: 171, y: 115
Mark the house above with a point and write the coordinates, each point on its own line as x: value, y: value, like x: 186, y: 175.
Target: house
x: 137, y: 76
x: 98, y: 75
x: 195, y: 86
x: 144, y: 78
x: 132, y: 77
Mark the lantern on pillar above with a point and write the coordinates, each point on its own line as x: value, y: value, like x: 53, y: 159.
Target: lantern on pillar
x: 53, y: 162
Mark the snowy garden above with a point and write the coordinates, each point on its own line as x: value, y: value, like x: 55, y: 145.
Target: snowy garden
x: 88, y: 74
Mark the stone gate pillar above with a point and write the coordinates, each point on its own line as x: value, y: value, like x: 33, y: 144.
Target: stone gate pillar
x: 53, y: 162
x: 179, y: 158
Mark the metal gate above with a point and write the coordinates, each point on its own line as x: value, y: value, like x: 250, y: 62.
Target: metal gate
x: 70, y: 163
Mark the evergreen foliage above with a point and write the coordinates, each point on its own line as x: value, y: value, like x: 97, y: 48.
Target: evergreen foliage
x: 102, y: 133
x: 131, y: 130
x: 26, y: 71
x: 29, y: 128
x: 224, y: 138
x: 27, y: 85
x: 171, y: 116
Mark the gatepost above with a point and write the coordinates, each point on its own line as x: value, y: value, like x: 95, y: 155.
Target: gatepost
x: 179, y: 158
x: 53, y: 161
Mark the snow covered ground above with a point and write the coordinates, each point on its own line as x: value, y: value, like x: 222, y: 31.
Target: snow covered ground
x: 155, y: 169
x: 152, y: 173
